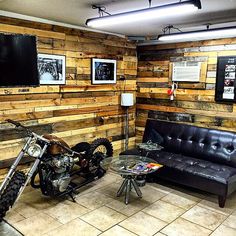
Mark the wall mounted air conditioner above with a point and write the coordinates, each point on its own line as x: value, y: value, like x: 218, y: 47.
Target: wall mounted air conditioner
x: 186, y: 71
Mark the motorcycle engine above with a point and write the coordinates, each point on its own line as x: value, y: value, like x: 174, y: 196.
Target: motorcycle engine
x: 62, y: 163
x: 59, y: 178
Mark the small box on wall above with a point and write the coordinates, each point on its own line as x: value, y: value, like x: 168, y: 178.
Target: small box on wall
x: 103, y: 71
x: 225, y: 90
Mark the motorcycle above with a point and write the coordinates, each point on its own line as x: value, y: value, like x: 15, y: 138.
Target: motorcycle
x: 55, y: 164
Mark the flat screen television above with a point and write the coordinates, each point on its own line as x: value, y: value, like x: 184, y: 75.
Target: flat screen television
x: 18, y: 60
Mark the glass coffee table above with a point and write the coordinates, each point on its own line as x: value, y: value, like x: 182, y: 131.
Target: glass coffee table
x: 130, y: 167
x: 149, y: 146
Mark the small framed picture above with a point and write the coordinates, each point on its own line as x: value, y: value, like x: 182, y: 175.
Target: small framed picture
x: 103, y: 71
x: 51, y: 69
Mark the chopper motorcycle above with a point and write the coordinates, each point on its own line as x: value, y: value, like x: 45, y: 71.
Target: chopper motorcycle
x: 56, y: 165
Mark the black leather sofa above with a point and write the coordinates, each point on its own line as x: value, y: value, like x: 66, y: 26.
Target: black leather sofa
x: 193, y: 156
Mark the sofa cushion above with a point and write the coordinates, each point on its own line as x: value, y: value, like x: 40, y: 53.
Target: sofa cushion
x: 220, y: 173
x: 208, y: 144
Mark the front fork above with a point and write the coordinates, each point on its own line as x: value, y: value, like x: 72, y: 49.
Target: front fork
x: 14, y: 166
x: 32, y: 170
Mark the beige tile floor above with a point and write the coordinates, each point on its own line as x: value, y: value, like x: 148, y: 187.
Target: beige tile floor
x: 172, y: 211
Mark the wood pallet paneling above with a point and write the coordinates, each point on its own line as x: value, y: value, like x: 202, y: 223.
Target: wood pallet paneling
x: 77, y: 111
x: 195, y: 102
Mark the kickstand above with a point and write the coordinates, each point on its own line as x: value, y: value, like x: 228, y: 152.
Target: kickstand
x: 72, y: 197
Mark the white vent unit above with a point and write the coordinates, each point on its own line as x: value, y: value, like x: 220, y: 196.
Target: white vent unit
x: 186, y: 71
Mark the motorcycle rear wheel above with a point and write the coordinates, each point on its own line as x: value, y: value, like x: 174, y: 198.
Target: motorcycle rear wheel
x: 101, y: 145
x: 81, y: 147
x: 9, y: 196
x: 100, y: 148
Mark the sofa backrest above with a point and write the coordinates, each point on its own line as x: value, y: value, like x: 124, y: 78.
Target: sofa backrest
x: 202, y: 143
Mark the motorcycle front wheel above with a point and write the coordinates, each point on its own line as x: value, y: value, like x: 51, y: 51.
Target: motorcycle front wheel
x: 10, y: 194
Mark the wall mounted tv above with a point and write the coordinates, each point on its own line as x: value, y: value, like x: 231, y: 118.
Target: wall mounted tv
x: 18, y: 60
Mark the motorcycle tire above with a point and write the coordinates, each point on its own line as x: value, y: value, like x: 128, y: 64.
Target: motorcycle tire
x: 9, y: 196
x: 100, y: 148
x: 81, y: 147
x: 101, y: 145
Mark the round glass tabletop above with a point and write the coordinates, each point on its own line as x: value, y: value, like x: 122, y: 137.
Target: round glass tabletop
x: 130, y: 165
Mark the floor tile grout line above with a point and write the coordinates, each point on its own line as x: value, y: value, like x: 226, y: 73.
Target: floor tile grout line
x: 197, y: 224
x: 84, y: 221
x: 81, y: 193
x: 54, y: 217
x: 202, y: 225
x: 89, y: 224
x: 119, y: 226
x: 98, y: 208
x: 191, y: 221
x: 118, y: 212
x: 123, y: 213
x: 133, y: 215
x: 225, y: 225
x: 180, y: 216
x: 13, y: 227
x: 176, y: 205
x: 213, y: 209
x: 160, y: 220
x: 128, y: 230
x: 156, y: 217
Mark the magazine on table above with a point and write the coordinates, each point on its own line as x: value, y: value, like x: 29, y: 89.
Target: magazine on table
x: 143, y: 167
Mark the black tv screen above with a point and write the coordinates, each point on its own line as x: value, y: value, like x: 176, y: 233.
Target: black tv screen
x: 18, y: 60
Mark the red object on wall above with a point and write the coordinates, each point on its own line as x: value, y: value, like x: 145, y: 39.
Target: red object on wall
x: 170, y: 92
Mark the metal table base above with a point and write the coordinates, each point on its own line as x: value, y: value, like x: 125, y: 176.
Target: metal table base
x: 126, y: 186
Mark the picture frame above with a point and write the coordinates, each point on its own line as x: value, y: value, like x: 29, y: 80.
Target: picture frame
x: 225, y: 90
x: 52, y: 69
x: 103, y: 71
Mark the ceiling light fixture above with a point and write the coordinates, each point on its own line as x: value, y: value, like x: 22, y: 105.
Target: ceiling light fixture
x: 174, y: 9
x: 199, y: 35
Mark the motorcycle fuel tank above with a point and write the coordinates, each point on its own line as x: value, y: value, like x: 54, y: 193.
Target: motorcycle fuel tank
x: 55, y: 149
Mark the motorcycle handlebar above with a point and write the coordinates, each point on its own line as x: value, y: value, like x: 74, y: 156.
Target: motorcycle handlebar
x: 17, y: 124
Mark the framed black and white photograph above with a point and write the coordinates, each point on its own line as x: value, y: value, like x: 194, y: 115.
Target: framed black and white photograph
x: 226, y: 79
x: 103, y: 71
x: 51, y: 69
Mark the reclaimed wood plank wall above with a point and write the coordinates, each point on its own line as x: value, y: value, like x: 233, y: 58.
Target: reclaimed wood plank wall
x: 195, y: 103
x: 77, y: 111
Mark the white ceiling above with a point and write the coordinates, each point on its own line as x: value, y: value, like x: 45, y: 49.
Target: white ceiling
x: 77, y: 11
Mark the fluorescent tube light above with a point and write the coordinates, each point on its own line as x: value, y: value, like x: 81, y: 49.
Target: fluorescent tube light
x: 169, y: 10
x: 201, y: 34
